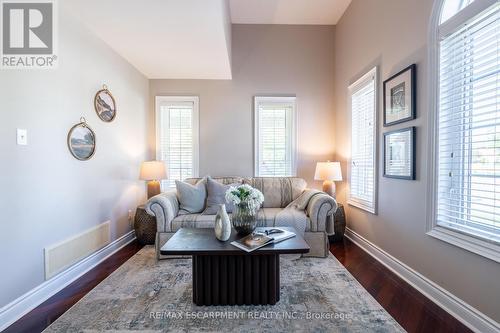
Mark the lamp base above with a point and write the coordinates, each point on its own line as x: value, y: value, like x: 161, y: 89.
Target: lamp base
x: 329, y: 188
x: 153, y: 188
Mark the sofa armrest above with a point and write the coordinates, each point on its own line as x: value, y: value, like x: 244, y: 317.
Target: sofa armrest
x: 320, y: 208
x: 165, y: 207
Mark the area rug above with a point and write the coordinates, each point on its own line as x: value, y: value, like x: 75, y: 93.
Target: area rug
x: 317, y: 295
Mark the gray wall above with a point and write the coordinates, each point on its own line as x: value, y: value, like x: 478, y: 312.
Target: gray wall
x: 45, y: 194
x: 267, y: 60
x: 392, y: 34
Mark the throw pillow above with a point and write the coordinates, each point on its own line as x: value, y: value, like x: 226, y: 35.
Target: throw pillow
x: 216, y: 195
x: 191, y: 197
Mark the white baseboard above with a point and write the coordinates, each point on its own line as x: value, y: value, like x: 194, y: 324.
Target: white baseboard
x: 459, y: 309
x: 27, y: 302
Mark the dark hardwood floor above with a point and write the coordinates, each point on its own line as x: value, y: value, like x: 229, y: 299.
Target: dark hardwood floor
x: 411, y: 309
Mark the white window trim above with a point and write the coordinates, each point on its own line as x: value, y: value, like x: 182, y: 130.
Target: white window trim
x: 275, y: 99
x: 436, y: 32
x: 458, y: 20
x: 159, y: 100
x: 372, y: 74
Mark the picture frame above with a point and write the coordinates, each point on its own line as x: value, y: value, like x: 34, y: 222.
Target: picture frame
x: 400, y: 92
x: 400, y: 153
x: 81, y: 141
x: 105, y: 105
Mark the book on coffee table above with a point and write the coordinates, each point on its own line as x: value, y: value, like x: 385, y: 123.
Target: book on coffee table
x: 261, y: 237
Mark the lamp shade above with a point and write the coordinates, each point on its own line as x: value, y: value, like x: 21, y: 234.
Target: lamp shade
x: 153, y: 170
x: 328, y: 171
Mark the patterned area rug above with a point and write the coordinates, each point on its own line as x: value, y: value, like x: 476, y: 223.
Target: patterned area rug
x: 317, y: 295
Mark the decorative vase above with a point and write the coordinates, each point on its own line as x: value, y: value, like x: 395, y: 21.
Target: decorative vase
x: 222, y: 224
x: 244, y: 219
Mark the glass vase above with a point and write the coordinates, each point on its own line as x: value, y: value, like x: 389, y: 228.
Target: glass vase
x: 244, y: 219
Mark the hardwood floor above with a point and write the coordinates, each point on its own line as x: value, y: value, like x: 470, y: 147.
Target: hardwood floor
x: 411, y: 309
x: 47, y: 312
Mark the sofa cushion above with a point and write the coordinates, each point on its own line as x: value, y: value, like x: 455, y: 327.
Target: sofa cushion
x: 266, y: 218
x: 193, y: 221
x: 222, y: 180
x: 278, y: 191
x: 216, y: 195
x: 191, y: 197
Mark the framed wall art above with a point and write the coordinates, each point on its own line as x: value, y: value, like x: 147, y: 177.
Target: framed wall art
x: 400, y: 97
x: 399, y: 153
x: 81, y: 141
x: 105, y: 105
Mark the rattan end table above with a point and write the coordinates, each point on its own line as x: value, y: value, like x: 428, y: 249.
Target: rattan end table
x: 145, y: 226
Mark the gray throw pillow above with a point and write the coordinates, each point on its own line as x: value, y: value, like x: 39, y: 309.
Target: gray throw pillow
x: 191, y: 197
x: 216, y: 195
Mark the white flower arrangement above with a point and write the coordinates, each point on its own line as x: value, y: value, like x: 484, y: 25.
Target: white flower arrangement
x: 245, y: 195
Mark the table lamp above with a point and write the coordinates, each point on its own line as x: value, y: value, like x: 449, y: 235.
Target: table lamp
x: 153, y: 172
x: 329, y: 172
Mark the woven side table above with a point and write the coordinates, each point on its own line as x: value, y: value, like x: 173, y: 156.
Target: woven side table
x: 145, y: 226
x: 338, y: 224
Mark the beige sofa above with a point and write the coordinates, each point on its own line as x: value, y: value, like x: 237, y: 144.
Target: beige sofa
x: 278, y: 193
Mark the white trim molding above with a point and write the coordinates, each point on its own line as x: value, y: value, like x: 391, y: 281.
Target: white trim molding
x: 13, y: 311
x: 457, y: 20
x: 470, y: 243
x: 463, y: 312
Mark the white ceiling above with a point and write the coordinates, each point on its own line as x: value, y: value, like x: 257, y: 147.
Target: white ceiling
x: 326, y: 12
x: 189, y: 39
x: 176, y: 39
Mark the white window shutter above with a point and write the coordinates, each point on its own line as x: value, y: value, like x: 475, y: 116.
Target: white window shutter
x: 362, y: 176
x: 177, y: 137
x: 468, y: 177
x: 275, y: 135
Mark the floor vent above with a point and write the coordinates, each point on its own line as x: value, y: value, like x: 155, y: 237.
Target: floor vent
x: 60, y: 256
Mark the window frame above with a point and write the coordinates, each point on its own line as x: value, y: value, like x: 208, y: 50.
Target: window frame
x: 162, y: 100
x: 258, y: 100
x: 437, y: 31
x: 352, y: 89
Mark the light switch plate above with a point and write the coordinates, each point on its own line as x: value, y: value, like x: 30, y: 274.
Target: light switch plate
x: 22, y: 136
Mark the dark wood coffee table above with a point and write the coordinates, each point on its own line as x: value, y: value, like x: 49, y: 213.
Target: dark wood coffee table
x: 226, y: 275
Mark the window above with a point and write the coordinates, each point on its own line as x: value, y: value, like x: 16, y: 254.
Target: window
x: 275, y: 136
x: 362, y: 181
x: 177, y: 136
x: 451, y: 7
x: 465, y: 178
